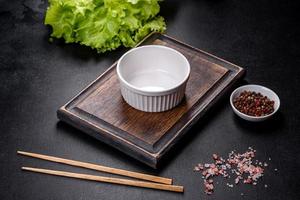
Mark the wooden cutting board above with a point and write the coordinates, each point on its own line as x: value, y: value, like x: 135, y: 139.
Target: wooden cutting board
x: 100, y: 111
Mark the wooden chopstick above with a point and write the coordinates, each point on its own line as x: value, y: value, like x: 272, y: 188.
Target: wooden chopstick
x: 158, y: 186
x: 101, y: 168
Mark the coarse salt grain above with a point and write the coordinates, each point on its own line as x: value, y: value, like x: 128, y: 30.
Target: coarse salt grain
x: 229, y: 185
x: 200, y: 166
x: 215, y: 156
x: 207, y: 165
x: 236, y: 180
x: 240, y: 165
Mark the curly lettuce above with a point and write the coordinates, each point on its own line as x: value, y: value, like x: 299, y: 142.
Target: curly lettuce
x: 104, y: 25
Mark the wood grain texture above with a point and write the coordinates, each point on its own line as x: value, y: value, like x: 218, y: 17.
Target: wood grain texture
x: 119, y: 181
x: 101, y: 111
x: 100, y: 168
x: 107, y: 104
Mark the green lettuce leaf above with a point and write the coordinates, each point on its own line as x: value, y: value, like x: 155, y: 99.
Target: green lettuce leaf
x: 104, y: 25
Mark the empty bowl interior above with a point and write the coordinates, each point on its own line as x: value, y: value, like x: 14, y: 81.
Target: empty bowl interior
x: 153, y: 68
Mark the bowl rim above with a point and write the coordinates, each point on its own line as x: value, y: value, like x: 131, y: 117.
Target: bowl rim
x: 257, y: 86
x: 160, y: 92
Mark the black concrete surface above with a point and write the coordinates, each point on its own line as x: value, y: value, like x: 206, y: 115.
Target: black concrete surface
x: 37, y: 77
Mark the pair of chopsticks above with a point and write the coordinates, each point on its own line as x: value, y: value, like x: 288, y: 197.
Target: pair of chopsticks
x: 149, y: 181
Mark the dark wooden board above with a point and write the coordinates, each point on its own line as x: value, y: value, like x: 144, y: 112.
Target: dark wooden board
x: 100, y: 111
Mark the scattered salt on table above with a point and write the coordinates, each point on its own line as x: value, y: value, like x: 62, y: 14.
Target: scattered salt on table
x: 241, y: 165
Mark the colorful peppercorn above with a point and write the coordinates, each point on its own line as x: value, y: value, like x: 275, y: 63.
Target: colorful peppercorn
x: 253, y: 104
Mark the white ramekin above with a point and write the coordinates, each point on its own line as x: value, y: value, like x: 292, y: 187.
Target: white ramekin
x: 153, y: 78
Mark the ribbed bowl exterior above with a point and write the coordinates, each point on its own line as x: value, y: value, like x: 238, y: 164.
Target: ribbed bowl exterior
x: 153, y: 103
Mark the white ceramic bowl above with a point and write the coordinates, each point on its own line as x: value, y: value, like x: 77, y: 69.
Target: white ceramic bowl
x: 256, y: 88
x: 153, y: 78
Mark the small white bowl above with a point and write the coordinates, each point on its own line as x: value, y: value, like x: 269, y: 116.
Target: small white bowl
x: 255, y: 88
x: 153, y: 78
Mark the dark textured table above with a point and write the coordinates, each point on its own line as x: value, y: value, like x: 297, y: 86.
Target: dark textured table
x: 37, y: 77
